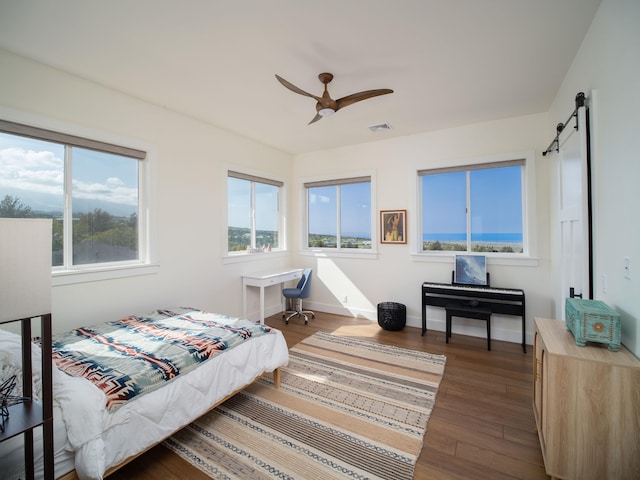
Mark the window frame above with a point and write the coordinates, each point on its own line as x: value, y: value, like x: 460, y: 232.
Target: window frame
x: 259, y: 177
x: 329, y: 180
x: 22, y: 124
x: 528, y: 257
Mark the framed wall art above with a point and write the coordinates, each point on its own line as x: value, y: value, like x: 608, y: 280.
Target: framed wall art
x: 471, y: 270
x: 393, y: 226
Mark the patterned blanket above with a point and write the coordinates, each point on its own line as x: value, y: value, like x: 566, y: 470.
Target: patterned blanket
x: 137, y: 354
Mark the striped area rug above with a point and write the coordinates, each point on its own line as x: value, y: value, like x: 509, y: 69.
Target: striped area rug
x: 347, y: 409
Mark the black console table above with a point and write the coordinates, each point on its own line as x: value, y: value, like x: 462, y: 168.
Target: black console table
x: 505, y: 301
x: 29, y: 414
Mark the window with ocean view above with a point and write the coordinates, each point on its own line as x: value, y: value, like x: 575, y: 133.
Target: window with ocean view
x: 473, y: 209
x: 253, y: 213
x: 339, y: 214
x: 88, y: 188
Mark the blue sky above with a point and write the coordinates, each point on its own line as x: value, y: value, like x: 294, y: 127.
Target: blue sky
x: 33, y: 170
x: 496, y: 201
x: 355, y: 214
x: 239, y: 204
x: 495, y: 197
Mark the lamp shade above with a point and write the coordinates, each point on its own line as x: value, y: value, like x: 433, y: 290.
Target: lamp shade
x: 25, y: 268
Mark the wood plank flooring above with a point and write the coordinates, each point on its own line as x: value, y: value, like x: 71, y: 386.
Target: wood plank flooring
x: 482, y: 426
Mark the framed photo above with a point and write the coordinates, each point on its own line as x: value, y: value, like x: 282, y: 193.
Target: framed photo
x: 393, y: 226
x: 471, y: 270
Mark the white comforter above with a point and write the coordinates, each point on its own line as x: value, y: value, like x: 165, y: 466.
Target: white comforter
x: 101, y: 440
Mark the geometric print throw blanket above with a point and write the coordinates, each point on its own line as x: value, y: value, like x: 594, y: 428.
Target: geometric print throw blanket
x: 136, y: 354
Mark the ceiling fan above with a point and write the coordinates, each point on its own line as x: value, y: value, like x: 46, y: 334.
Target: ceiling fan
x: 325, y: 104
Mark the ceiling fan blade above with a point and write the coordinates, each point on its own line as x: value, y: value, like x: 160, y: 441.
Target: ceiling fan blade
x: 315, y: 119
x: 356, y: 97
x: 326, y: 105
x: 295, y: 89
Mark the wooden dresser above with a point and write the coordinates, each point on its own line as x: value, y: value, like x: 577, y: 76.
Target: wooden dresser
x: 587, y: 406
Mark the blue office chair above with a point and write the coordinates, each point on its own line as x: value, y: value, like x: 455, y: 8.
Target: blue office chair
x: 302, y: 290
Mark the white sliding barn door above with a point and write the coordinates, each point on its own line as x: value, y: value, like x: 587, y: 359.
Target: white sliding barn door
x: 574, y: 211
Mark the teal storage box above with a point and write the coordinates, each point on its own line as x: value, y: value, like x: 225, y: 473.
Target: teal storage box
x: 593, y: 321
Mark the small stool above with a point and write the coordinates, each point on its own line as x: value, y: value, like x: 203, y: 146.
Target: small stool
x: 477, y: 313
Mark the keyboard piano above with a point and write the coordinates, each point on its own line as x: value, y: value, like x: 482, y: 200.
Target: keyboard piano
x: 505, y: 301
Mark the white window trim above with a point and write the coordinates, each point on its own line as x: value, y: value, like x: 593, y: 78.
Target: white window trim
x: 239, y: 257
x: 304, y: 220
x: 529, y: 257
x: 148, y: 262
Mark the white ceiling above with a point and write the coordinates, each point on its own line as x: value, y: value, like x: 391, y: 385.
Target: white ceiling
x: 449, y: 62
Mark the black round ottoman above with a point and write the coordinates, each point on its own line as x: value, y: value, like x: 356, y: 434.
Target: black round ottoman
x: 392, y: 315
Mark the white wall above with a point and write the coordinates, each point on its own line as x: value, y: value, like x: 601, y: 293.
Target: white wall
x: 191, y: 159
x: 608, y: 63
x: 395, y: 275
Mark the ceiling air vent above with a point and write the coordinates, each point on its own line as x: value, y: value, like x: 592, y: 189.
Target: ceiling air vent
x: 380, y: 127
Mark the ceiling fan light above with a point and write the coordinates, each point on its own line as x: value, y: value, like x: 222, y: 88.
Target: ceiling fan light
x: 323, y: 112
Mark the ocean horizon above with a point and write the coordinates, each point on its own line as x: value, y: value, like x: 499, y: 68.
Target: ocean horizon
x: 451, y: 237
x: 476, y: 237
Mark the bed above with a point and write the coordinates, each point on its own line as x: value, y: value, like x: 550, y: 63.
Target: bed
x: 104, y: 419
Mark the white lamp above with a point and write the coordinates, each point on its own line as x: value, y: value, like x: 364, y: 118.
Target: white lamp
x: 25, y: 268
x: 25, y: 293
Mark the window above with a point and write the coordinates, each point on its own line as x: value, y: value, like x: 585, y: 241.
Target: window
x: 339, y: 214
x: 253, y: 213
x: 473, y: 209
x: 89, y: 189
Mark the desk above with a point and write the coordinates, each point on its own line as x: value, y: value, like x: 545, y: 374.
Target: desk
x: 266, y: 278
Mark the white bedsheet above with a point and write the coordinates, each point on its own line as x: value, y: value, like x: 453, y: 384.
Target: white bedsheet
x: 100, y: 440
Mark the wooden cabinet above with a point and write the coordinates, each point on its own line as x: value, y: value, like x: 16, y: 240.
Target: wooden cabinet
x: 586, y: 403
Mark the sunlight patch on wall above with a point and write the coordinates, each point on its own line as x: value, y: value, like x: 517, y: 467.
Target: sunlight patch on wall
x: 342, y: 288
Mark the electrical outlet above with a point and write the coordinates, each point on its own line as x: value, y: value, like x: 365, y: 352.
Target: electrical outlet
x: 605, y: 283
x: 344, y: 300
x: 627, y: 268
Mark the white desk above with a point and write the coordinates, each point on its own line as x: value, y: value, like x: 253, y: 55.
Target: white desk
x: 267, y: 278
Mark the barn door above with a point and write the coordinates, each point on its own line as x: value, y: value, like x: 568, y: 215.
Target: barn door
x: 575, y: 208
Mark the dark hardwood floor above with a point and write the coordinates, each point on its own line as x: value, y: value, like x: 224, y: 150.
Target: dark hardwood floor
x: 482, y: 426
